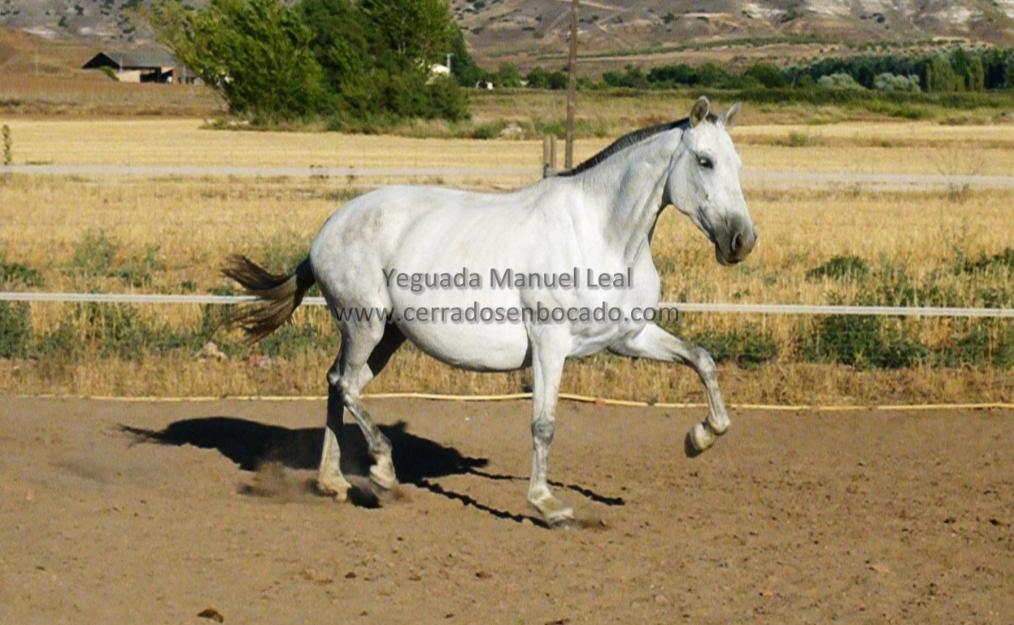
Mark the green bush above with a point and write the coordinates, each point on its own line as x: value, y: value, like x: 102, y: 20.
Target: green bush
x: 14, y: 273
x: 840, y: 268
x: 15, y: 330
x: 1001, y: 260
x: 896, y: 82
x: 839, y: 80
x: 862, y: 341
x: 988, y: 342
x: 137, y: 271
x: 747, y: 346
x: 488, y: 130
x: 94, y: 254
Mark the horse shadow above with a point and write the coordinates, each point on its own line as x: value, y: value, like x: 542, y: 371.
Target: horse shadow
x: 417, y: 460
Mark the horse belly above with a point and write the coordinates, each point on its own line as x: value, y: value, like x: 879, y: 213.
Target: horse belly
x: 474, y: 346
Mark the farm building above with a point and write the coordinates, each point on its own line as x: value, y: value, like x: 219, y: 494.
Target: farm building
x: 141, y: 66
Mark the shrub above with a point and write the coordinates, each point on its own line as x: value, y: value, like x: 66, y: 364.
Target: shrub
x: 1001, y: 260
x: 840, y: 268
x: 18, y: 273
x: 767, y: 75
x: 838, y: 80
x: 982, y: 343
x: 862, y: 341
x: 8, y: 144
x: 15, y: 330
x: 93, y: 254
x: 488, y: 130
x: 540, y: 78
x: 895, y: 82
x: 748, y: 346
x: 138, y: 270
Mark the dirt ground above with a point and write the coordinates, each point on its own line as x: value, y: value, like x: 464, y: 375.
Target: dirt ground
x: 123, y: 512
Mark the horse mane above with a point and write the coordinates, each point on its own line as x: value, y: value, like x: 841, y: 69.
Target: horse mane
x: 627, y: 140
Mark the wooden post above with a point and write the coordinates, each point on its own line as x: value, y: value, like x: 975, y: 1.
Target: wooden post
x: 548, y: 156
x: 571, y: 86
x: 546, y: 171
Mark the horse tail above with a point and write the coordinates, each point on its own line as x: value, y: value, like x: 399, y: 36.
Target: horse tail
x: 279, y: 295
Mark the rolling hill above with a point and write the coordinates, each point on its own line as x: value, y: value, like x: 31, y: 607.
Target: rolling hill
x: 612, y: 33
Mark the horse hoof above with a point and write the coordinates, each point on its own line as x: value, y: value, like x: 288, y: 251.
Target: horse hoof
x: 564, y: 523
x: 339, y: 491
x: 699, y: 439
x: 382, y: 480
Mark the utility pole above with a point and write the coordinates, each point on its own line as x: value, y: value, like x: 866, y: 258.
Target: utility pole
x: 571, y: 86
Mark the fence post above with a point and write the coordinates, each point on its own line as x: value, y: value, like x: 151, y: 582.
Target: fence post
x: 548, y: 156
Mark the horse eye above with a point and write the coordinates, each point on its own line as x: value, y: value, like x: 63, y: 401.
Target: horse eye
x: 705, y: 162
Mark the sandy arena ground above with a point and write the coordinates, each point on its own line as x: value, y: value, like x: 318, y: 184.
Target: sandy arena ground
x: 116, y: 512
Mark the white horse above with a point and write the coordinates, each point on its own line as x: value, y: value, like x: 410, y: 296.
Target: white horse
x: 410, y: 261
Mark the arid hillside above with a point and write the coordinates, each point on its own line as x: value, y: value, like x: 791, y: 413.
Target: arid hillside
x: 533, y: 32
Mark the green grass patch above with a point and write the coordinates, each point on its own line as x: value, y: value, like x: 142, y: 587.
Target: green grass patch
x: 18, y: 274
x: 15, y: 330
x: 845, y: 268
x: 863, y: 342
x: 747, y: 347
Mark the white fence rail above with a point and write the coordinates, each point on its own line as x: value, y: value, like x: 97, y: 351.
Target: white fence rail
x: 763, y: 309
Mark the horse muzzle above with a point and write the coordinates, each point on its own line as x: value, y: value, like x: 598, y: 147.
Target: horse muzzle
x: 736, y: 243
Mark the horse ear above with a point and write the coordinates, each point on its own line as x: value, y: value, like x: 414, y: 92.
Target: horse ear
x: 700, y: 111
x: 731, y: 115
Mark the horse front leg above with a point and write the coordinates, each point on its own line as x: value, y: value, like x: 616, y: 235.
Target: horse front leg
x: 549, y: 352
x: 655, y: 343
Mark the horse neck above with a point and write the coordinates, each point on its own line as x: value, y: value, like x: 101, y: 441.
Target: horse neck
x: 628, y: 191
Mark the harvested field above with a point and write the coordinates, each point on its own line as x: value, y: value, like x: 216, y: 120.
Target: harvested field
x: 847, y: 147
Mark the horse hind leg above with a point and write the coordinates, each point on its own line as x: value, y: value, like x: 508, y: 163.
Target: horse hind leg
x: 366, y: 351
x: 346, y: 379
x: 330, y: 480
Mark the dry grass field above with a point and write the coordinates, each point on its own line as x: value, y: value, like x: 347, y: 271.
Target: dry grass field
x: 861, y: 147
x: 170, y: 235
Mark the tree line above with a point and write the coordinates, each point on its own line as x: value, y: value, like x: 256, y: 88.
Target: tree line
x: 954, y: 71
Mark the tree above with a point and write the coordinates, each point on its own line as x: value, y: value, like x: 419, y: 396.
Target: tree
x: 409, y: 35
x: 839, y: 80
x: 463, y: 66
x: 256, y: 53
x: 941, y: 77
x: 339, y: 44
x: 352, y: 60
x: 896, y: 82
x: 405, y: 39
x: 539, y: 78
x: 508, y: 75
x: 768, y: 75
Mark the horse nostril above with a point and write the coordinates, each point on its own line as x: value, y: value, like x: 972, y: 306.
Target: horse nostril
x: 737, y: 243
